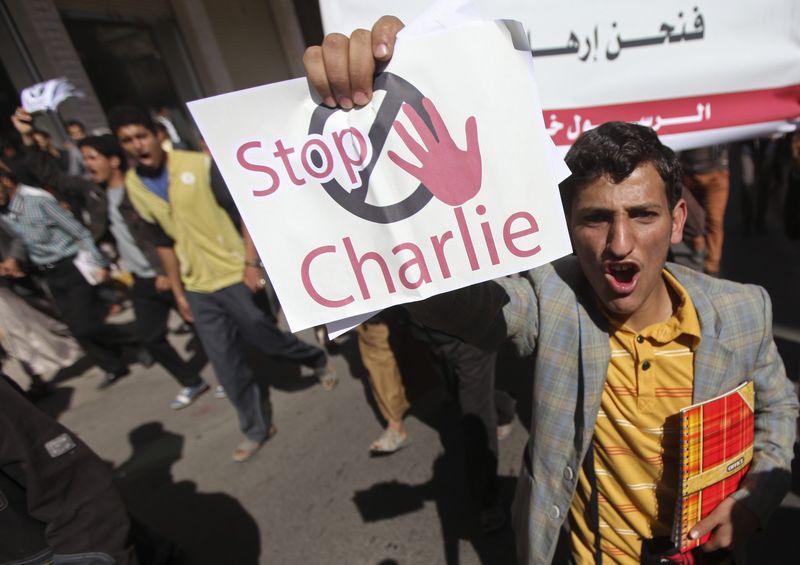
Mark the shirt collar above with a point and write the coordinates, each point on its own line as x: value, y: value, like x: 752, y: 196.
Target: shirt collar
x: 683, y: 321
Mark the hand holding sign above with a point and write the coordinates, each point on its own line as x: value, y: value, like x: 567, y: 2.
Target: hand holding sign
x: 381, y: 212
x: 451, y: 174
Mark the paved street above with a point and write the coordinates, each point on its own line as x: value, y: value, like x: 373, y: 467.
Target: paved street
x: 313, y: 495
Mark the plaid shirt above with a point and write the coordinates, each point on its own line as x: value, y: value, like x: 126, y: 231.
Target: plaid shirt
x: 49, y: 232
x: 554, y: 315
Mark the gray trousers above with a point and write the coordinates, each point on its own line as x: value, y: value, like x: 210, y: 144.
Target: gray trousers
x: 228, y: 319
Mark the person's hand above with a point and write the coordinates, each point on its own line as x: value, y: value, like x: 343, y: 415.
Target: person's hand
x: 10, y: 268
x: 102, y: 275
x: 731, y: 524
x: 254, y: 278
x: 451, y: 174
x: 183, y: 308
x: 162, y: 283
x: 342, y: 69
x: 23, y: 123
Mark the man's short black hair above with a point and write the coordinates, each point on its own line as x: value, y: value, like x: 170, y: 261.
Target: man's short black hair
x: 122, y: 116
x: 107, y: 146
x: 70, y: 123
x: 41, y: 132
x: 615, y: 150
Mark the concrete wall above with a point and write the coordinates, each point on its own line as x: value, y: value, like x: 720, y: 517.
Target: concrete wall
x: 50, y: 54
x: 248, y: 37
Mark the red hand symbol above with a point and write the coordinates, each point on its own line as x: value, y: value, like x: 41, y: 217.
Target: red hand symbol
x: 452, y: 175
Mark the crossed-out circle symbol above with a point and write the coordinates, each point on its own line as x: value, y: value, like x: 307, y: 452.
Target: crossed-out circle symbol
x: 398, y: 90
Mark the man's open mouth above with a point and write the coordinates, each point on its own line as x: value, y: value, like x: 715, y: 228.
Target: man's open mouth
x: 622, y: 276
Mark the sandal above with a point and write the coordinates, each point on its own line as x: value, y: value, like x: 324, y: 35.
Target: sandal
x: 389, y: 442
x: 327, y: 377
x: 248, y: 447
x: 503, y: 431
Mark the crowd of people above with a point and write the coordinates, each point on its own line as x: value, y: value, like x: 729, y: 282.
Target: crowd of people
x: 609, y: 327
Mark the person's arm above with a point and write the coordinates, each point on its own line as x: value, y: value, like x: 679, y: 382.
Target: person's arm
x: 78, y: 231
x: 223, y: 196
x: 769, y: 476
x: 253, y: 276
x: 169, y: 260
x: 67, y: 486
x: 23, y: 123
x: 16, y: 256
x: 484, y: 314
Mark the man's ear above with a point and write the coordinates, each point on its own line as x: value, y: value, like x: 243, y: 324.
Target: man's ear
x: 115, y: 162
x: 160, y: 135
x: 678, y: 220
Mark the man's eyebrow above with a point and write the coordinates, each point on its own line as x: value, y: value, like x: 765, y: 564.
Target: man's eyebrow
x: 645, y: 207
x: 593, y: 210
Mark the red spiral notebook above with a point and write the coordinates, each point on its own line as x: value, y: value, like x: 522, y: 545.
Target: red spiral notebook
x: 716, y: 448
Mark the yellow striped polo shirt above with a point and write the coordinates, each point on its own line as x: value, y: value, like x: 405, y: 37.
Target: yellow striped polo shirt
x: 650, y: 378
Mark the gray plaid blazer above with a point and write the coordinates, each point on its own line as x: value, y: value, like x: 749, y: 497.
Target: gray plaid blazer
x: 553, y: 313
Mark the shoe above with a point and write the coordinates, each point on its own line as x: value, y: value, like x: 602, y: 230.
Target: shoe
x: 504, y: 431
x: 245, y: 450
x: 389, y: 442
x: 327, y: 377
x: 321, y: 335
x: 219, y: 392
x: 187, y: 395
x: 145, y: 358
x: 109, y: 378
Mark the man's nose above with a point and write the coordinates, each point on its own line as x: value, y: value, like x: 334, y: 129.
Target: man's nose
x: 620, y: 239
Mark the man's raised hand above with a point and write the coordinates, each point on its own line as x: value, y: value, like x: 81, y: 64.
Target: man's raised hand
x: 342, y: 69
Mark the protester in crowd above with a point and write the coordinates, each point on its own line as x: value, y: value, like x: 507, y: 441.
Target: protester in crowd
x: 468, y: 373
x: 385, y: 381
x: 58, y: 247
x: 37, y: 341
x: 791, y: 216
x: 150, y: 293
x: 705, y: 174
x: 75, y: 130
x: 669, y: 328
x: 214, y: 270
x: 84, y: 199
x: 57, y: 501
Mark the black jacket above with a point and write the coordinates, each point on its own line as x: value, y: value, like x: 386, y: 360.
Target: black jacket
x: 56, y: 495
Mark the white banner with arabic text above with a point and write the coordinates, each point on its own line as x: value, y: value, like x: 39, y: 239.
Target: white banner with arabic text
x: 697, y: 71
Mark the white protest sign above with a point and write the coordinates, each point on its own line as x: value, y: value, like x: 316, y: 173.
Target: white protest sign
x: 698, y: 72
x: 437, y: 184
x: 48, y: 95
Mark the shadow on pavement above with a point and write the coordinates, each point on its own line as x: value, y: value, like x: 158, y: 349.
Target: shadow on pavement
x: 56, y: 402
x: 779, y: 541
x: 790, y: 353
x: 206, y: 528
x: 448, y: 490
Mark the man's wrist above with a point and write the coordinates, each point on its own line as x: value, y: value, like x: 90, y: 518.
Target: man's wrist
x: 255, y: 263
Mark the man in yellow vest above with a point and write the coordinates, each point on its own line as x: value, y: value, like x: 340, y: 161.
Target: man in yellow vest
x: 213, y: 267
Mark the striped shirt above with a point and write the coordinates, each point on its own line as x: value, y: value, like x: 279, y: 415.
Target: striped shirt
x: 49, y: 232
x: 650, y: 378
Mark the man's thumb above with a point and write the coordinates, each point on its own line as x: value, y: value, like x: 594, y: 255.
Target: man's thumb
x: 704, y: 526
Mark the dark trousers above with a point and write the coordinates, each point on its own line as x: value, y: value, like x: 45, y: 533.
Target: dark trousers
x: 84, y: 313
x: 226, y: 320
x: 152, y: 312
x: 471, y: 371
